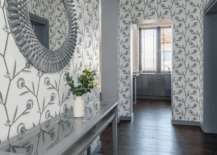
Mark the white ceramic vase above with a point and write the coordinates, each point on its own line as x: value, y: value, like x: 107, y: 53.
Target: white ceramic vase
x: 78, y: 107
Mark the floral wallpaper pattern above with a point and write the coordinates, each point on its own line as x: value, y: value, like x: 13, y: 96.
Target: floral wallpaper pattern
x: 187, y: 78
x: 205, y: 2
x: 29, y: 97
x: 54, y: 11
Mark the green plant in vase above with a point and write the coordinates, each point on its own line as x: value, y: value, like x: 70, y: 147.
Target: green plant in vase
x: 86, y: 82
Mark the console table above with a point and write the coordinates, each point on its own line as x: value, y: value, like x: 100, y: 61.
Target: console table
x: 64, y: 135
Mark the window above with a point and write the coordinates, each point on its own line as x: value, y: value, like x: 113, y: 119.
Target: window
x: 149, y: 50
x: 155, y: 49
x: 166, y: 49
x: 41, y: 29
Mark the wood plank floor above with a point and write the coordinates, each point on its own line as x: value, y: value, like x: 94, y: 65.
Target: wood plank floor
x: 151, y: 133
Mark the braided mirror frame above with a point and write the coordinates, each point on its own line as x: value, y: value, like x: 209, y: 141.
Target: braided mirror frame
x: 40, y: 57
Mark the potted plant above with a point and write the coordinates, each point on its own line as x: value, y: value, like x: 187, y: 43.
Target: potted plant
x: 86, y: 82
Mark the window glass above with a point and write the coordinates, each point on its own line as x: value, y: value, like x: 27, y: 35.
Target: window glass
x: 166, y: 47
x: 149, y: 42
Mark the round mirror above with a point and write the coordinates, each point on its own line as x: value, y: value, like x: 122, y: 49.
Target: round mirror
x: 31, y: 34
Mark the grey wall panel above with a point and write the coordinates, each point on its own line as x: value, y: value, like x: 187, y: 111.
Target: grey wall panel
x: 150, y: 85
x: 149, y: 89
x: 162, y: 90
x: 210, y: 74
x: 145, y: 80
x: 109, y: 9
x: 153, y: 85
x: 158, y: 85
x: 139, y: 85
x: 168, y: 85
x: 147, y: 85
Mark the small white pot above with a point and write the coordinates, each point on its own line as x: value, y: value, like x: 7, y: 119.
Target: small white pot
x: 78, y: 107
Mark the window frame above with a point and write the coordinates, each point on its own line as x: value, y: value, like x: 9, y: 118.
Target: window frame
x: 158, y: 50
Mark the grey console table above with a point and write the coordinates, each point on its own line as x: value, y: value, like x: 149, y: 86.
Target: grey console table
x: 64, y: 135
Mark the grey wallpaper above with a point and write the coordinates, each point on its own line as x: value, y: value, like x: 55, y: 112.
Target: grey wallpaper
x: 54, y: 11
x: 187, y: 78
x: 205, y: 2
x: 27, y: 95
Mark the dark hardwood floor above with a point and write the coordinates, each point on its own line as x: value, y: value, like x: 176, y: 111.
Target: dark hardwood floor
x: 151, y: 133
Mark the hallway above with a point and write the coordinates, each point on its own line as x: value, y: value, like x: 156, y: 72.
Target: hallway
x: 151, y: 133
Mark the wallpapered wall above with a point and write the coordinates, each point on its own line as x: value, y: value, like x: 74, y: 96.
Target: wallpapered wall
x: 26, y: 94
x: 187, y: 16
x: 205, y: 2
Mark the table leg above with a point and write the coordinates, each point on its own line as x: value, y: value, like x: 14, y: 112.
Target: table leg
x: 135, y: 90
x: 115, y: 132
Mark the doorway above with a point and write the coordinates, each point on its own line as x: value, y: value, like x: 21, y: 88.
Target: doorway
x: 152, y: 62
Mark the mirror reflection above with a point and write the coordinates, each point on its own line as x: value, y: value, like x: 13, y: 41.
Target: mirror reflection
x: 41, y: 29
x: 49, y: 23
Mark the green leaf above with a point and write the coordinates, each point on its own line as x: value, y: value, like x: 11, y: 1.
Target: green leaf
x: 85, y: 80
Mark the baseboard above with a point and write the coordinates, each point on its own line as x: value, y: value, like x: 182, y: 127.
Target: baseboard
x: 154, y: 97
x: 127, y: 118
x: 98, y: 149
x: 189, y: 123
